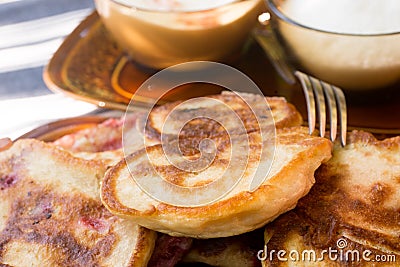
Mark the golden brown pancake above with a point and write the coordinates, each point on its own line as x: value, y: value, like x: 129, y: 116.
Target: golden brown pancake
x: 284, y: 114
x: 107, y: 136
x: 297, y: 156
x: 51, y: 213
x: 353, y: 207
x: 236, y: 210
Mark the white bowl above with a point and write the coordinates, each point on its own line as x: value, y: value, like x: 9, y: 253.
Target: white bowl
x: 354, y: 61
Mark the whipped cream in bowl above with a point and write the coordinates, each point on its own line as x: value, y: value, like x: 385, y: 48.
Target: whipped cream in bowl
x: 351, y: 44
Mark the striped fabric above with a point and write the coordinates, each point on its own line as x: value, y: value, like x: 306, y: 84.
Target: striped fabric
x: 30, y: 32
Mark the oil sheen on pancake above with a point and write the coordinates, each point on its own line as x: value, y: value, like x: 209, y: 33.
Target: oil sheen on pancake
x: 353, y: 207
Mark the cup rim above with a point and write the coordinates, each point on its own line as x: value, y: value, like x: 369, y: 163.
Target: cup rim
x: 273, y: 8
x: 117, y: 2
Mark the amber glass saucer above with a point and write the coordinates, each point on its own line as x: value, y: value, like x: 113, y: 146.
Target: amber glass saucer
x: 90, y: 66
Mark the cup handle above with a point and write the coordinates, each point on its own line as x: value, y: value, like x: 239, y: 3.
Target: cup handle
x: 265, y: 37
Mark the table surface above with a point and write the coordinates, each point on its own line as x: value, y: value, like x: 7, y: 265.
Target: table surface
x: 30, y: 32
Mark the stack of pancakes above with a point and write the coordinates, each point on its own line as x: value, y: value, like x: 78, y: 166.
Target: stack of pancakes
x: 74, y: 202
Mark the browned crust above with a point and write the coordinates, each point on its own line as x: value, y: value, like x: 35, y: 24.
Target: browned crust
x: 109, y: 184
x: 332, y: 210
x: 244, y: 202
x: 288, y: 115
x: 292, y: 117
x: 151, y: 131
x: 144, y: 248
x: 366, y: 138
x: 41, y: 215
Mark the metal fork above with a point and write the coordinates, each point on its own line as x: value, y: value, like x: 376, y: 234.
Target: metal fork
x: 318, y: 94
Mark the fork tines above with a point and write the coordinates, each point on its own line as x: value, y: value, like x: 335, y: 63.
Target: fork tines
x: 318, y: 95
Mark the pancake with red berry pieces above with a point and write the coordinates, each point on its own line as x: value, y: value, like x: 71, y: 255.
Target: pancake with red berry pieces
x: 51, y: 213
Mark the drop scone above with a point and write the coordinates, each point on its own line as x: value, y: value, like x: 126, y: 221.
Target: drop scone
x: 107, y: 136
x: 284, y: 115
x: 296, y: 156
x: 51, y: 213
x: 351, y: 215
